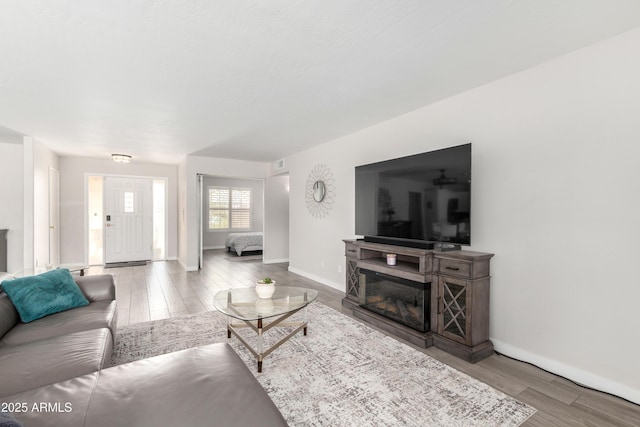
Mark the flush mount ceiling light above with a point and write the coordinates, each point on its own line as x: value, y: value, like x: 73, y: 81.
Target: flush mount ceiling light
x: 121, y: 158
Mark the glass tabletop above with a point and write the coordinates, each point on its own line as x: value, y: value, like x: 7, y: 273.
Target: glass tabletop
x: 244, y: 303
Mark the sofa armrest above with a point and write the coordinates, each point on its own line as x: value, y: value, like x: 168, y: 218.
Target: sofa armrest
x: 101, y: 287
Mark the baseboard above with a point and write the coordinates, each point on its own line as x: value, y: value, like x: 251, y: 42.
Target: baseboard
x: 274, y: 261
x: 315, y: 278
x: 570, y: 372
x: 206, y: 248
x: 81, y: 264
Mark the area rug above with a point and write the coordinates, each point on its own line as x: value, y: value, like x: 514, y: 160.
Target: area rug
x: 343, y: 373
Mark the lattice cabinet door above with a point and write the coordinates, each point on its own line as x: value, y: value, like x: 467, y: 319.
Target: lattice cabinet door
x: 353, y: 280
x: 454, y: 300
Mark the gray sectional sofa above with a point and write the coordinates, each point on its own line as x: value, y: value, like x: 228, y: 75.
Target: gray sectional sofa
x: 59, y: 346
x: 55, y: 371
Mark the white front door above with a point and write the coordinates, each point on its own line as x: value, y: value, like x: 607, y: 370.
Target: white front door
x: 54, y: 217
x: 128, y: 219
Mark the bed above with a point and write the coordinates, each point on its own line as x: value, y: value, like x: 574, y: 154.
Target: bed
x: 240, y: 242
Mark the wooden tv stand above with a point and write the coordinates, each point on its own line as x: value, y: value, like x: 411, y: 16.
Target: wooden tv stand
x: 459, y: 310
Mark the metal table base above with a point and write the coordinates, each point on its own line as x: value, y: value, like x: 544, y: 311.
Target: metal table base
x: 260, y: 328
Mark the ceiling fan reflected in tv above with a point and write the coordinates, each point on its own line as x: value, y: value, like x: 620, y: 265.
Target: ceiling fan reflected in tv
x: 443, y: 180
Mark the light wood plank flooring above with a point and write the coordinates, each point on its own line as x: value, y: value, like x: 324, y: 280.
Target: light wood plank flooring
x: 163, y: 290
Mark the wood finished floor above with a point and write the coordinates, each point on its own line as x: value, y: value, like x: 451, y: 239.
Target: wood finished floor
x: 163, y: 289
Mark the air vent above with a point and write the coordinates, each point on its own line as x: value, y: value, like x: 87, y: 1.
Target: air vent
x: 278, y: 165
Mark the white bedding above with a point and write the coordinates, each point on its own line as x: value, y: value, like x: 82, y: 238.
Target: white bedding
x: 240, y: 242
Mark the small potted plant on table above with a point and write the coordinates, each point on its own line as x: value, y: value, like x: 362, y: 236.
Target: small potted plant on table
x: 265, y: 287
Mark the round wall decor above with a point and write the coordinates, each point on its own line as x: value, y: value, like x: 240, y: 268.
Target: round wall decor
x: 319, y: 191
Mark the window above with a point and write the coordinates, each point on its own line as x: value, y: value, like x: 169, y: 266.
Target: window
x: 128, y: 202
x: 229, y: 208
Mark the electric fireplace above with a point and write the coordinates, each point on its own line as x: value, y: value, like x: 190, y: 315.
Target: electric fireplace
x: 404, y: 301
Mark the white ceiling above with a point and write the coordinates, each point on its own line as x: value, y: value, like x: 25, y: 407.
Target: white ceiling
x: 260, y: 80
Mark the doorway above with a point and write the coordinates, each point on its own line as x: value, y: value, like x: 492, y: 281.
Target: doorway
x: 128, y: 222
x: 227, y: 205
x: 126, y: 219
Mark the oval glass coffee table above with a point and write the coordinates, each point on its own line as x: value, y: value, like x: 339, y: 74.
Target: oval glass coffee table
x: 262, y: 314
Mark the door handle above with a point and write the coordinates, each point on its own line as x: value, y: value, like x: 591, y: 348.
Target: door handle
x: 108, y: 225
x: 52, y: 227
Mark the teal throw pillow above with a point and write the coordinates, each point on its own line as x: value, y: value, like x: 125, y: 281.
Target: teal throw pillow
x: 47, y: 293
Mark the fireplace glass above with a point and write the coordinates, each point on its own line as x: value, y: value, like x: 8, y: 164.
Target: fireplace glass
x: 404, y: 301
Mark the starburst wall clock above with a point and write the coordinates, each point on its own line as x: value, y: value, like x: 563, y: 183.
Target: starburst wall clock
x: 320, y: 191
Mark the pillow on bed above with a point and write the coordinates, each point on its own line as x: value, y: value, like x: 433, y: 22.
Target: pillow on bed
x: 38, y: 296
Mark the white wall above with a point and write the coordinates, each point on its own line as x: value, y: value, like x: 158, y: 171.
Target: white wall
x: 28, y: 145
x: 188, y: 170
x: 25, y: 195
x: 182, y: 215
x: 72, y: 200
x: 11, y: 194
x: 276, y: 229
x: 554, y: 196
x: 216, y: 239
x: 43, y: 159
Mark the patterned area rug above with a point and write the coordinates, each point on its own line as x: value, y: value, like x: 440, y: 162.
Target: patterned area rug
x: 342, y: 373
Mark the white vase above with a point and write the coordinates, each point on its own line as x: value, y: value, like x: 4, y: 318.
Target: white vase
x: 265, y: 290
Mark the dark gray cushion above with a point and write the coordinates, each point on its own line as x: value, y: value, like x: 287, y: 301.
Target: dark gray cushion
x: 96, y: 315
x: 8, y: 315
x: 200, y: 386
x: 74, y: 393
x: 101, y: 287
x: 38, y: 363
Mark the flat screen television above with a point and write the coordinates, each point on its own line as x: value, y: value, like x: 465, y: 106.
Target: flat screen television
x: 416, y: 200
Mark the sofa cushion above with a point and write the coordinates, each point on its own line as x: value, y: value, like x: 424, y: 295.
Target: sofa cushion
x: 208, y: 385
x: 8, y: 315
x: 47, y: 293
x: 100, y: 287
x: 72, y: 397
x: 47, y: 361
x: 96, y: 315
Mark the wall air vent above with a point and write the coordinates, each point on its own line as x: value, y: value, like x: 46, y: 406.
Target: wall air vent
x: 278, y: 165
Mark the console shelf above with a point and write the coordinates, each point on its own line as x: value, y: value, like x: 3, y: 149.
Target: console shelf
x: 402, y: 269
x: 459, y: 300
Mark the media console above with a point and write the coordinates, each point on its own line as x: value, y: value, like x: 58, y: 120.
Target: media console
x: 457, y: 312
